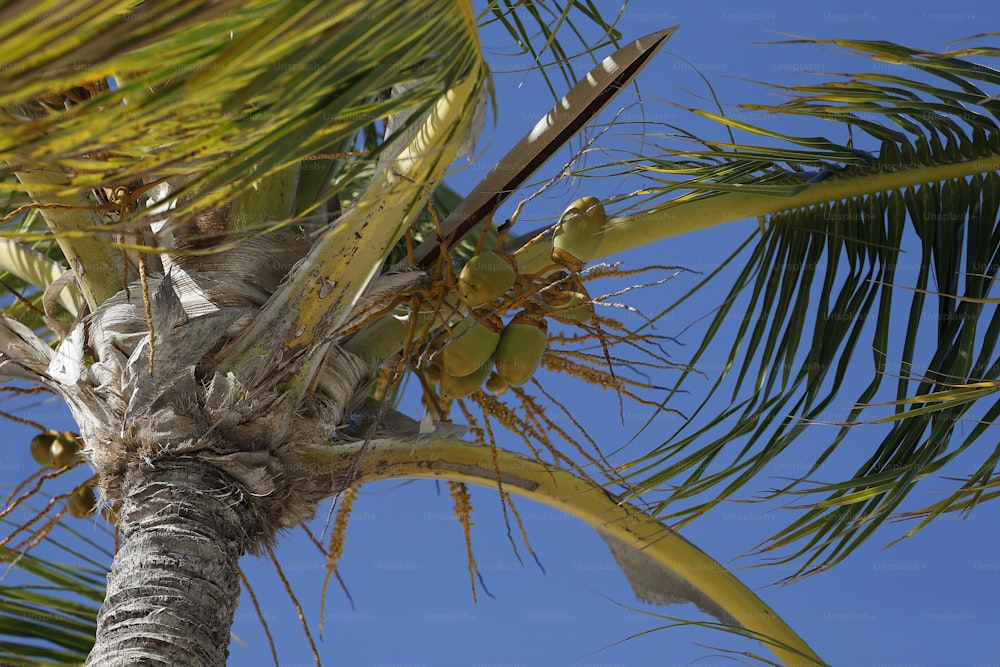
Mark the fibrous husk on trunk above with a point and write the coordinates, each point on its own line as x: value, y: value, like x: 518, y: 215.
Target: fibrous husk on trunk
x: 133, y: 413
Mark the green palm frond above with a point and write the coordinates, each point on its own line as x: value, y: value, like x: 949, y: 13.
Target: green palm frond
x: 48, y: 610
x: 818, y: 290
x: 134, y: 97
x: 231, y: 88
x: 188, y: 85
x: 539, y: 30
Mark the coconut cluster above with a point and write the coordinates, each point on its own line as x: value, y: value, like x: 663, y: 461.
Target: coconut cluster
x: 58, y: 449
x: 54, y: 449
x: 480, y: 348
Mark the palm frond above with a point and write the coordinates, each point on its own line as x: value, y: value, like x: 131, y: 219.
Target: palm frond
x: 48, y: 610
x: 539, y: 30
x: 819, y: 288
x: 661, y: 566
x: 219, y: 89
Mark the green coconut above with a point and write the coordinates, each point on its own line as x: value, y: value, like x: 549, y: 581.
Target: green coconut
x: 64, y: 449
x: 486, y: 277
x: 82, y: 503
x: 496, y: 385
x: 472, y: 343
x: 521, y: 347
x: 578, y: 233
x: 41, y: 446
x: 460, y: 387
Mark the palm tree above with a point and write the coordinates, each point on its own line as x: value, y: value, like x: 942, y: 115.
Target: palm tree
x: 215, y: 176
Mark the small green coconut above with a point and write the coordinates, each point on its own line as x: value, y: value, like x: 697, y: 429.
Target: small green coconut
x: 521, y: 347
x: 578, y: 233
x: 486, y: 277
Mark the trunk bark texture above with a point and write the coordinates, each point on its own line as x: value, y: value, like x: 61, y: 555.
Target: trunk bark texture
x: 174, y: 587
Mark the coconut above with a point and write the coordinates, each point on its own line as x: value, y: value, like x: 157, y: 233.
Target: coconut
x: 486, y: 277
x: 460, y: 387
x: 64, y: 449
x: 41, y: 446
x: 472, y: 344
x: 578, y: 233
x: 521, y: 347
x: 82, y: 503
x: 496, y: 385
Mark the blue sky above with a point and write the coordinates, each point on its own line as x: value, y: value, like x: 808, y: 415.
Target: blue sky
x: 925, y: 602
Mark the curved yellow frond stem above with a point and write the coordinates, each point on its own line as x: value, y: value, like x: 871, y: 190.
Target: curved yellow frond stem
x: 456, y: 460
x: 690, y: 215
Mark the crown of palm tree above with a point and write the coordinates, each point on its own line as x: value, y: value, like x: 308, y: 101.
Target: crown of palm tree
x: 215, y: 158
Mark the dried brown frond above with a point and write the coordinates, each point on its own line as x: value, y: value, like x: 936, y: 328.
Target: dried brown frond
x: 36, y: 535
x: 524, y: 533
x: 463, y: 512
x: 22, y: 420
x: 295, y: 603
x: 260, y: 614
x: 496, y: 471
x: 335, y: 549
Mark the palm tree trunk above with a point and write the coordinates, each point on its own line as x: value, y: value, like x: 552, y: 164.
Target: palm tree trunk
x: 174, y: 585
